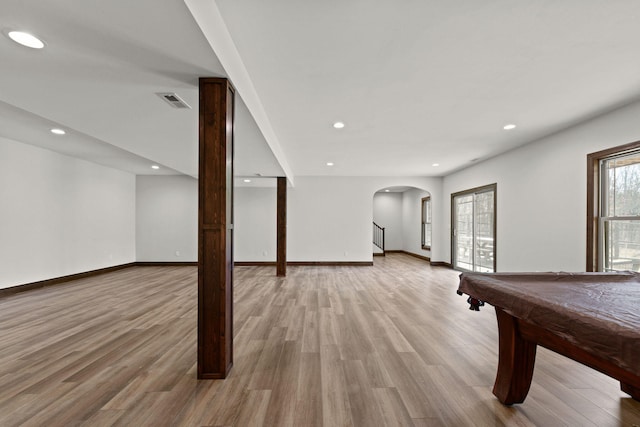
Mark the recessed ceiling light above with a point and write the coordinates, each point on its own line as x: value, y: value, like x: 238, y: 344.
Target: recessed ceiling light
x: 509, y: 126
x: 155, y: 167
x: 58, y: 131
x: 435, y: 165
x: 26, y: 39
x: 329, y: 163
x: 338, y: 125
x: 386, y: 191
x: 247, y: 180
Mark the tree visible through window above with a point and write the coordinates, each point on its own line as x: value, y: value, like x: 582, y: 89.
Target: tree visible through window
x: 426, y: 223
x: 615, y: 234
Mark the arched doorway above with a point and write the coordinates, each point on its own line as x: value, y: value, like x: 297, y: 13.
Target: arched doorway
x: 404, y: 212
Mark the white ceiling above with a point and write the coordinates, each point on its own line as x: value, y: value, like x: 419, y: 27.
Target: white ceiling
x: 416, y: 82
x: 98, y: 76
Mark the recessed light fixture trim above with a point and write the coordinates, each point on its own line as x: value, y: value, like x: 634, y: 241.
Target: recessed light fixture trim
x: 329, y: 163
x: 435, y: 165
x: 58, y: 131
x: 26, y: 39
x: 155, y: 167
x: 338, y: 125
x: 509, y: 126
x: 386, y: 191
x: 247, y: 180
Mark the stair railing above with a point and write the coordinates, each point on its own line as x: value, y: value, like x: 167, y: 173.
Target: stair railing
x: 378, y: 236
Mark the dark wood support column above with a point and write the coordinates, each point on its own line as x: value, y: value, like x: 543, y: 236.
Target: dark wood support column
x: 281, y: 261
x: 516, y: 359
x: 215, y: 229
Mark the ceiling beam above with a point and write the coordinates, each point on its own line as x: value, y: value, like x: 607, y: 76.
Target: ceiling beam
x: 212, y: 25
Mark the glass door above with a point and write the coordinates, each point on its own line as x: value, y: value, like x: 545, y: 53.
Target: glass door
x: 474, y: 229
x: 463, y: 233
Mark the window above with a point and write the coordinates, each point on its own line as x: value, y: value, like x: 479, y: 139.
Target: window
x: 426, y: 223
x: 473, y: 230
x: 613, y: 212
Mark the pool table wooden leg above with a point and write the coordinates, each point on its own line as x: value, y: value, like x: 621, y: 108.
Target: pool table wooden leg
x: 516, y: 359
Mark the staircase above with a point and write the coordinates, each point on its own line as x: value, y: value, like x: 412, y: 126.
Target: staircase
x: 378, y: 239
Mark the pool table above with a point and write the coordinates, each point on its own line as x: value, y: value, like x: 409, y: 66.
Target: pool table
x: 593, y: 318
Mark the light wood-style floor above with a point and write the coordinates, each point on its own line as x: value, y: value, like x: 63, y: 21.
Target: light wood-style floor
x: 388, y: 345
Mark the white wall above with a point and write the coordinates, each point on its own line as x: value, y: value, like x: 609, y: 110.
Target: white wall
x: 63, y: 216
x: 166, y: 218
x: 541, y: 193
x: 60, y: 215
x: 387, y: 213
x: 412, y: 221
x: 329, y: 218
x: 255, y: 224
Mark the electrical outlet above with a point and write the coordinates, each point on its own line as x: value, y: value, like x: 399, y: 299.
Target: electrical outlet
x: 177, y: 253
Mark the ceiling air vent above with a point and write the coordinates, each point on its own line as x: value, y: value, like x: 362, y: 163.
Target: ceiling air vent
x: 174, y: 100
